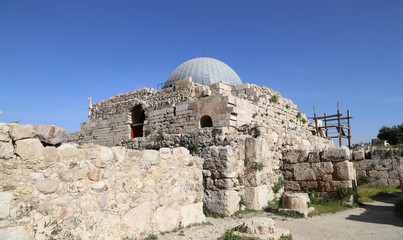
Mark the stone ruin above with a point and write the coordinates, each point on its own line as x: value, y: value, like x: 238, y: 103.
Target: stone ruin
x: 148, y: 161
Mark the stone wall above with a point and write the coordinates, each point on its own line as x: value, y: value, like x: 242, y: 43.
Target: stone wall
x: 319, y: 171
x: 240, y: 166
x: 94, y: 192
x: 378, y: 167
x: 179, y: 109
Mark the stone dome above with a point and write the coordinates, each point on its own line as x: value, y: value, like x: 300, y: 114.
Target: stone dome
x: 204, y: 70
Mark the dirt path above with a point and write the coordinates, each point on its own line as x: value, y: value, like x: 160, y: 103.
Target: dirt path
x: 374, y: 220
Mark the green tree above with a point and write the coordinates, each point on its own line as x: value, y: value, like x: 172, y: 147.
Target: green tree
x: 394, y: 135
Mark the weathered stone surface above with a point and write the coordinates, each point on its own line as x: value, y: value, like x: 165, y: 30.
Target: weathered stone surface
x: 47, y: 186
x: 314, y: 157
x: 14, y: 233
x: 5, y: 200
x: 138, y: 219
x: 4, y: 132
x: 338, y: 154
x: 257, y: 197
x: 344, y: 171
x: 94, y: 175
x: 69, y: 152
x: 295, y: 156
x: 192, y: 213
x: 52, y: 135
x: 303, y: 171
x: 166, y: 219
x: 29, y: 149
x: 224, y: 202
x: 295, y: 201
x: 63, y: 201
x: 19, y: 132
x: 6, y: 150
x: 358, y: 155
x: 259, y: 225
x: 98, y: 186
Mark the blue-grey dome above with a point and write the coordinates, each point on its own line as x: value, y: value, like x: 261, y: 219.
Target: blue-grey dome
x: 204, y: 71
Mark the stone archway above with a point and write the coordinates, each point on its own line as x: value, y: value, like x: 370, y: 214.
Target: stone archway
x: 206, y: 121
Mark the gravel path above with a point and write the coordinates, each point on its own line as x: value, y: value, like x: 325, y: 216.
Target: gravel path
x: 374, y: 220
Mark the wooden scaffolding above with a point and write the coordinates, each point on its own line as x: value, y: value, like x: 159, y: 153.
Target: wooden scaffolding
x: 335, y: 126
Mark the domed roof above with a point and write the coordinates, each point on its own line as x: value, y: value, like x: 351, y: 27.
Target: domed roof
x: 204, y: 71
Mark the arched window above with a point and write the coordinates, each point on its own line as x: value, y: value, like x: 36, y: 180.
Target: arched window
x: 206, y: 121
x: 138, y: 118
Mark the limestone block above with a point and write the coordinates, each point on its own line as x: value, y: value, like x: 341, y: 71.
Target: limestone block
x: 37, y: 176
x: 314, y: 157
x: 19, y: 132
x: 295, y: 201
x: 338, y: 154
x: 322, y: 170
x: 99, y: 186
x: 259, y: 225
x: 50, y: 154
x: 52, y: 135
x: 138, y: 219
x: 94, y: 175
x: 5, y: 200
x: 69, y: 152
x: 256, y: 148
x: 166, y: 219
x: 358, y: 155
x: 4, y: 132
x: 224, y: 202
x: 119, y: 153
x: 384, y: 165
x: 257, y: 197
x: 29, y: 149
x: 47, y: 186
x: 14, y: 233
x: 192, y: 213
x: 295, y: 156
x: 309, y: 185
x: 344, y: 171
x: 63, y: 201
x: 6, y: 150
x: 303, y: 171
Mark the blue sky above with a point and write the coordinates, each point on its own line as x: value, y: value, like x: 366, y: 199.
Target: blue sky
x: 55, y: 54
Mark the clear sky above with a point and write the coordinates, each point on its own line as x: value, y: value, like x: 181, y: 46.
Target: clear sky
x: 55, y: 54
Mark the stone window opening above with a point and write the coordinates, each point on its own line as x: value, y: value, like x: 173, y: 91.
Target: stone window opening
x: 206, y: 121
x: 137, y: 124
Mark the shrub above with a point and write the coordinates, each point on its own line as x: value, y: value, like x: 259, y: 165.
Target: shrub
x: 345, y: 192
x: 286, y: 237
x: 287, y: 106
x: 240, y: 181
x: 365, y: 179
x: 159, y: 132
x: 273, y: 99
x: 254, y: 115
x: 290, y: 214
x: 299, y: 115
x: 394, y: 135
x: 147, y: 132
x: 279, y: 185
x: 373, y: 165
x: 257, y: 166
x: 303, y: 120
x: 193, y: 145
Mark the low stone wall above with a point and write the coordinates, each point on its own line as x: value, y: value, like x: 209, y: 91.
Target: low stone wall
x: 322, y: 172
x: 94, y: 192
x: 378, y: 167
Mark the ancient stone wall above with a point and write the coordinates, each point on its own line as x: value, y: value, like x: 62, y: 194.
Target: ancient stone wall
x: 378, y: 167
x: 319, y: 171
x: 92, y: 191
x: 179, y: 109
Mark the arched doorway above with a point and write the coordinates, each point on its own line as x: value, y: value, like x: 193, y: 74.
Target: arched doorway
x: 138, y: 118
x: 206, y: 121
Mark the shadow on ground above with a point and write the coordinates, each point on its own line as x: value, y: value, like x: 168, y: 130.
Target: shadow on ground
x: 381, y: 211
